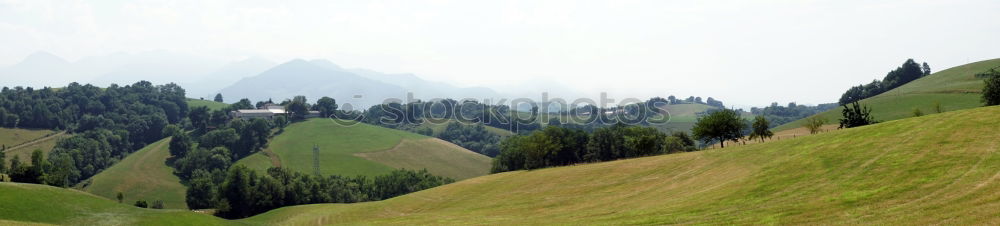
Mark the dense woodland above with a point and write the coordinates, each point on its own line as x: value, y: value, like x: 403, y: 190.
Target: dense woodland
x: 107, y: 124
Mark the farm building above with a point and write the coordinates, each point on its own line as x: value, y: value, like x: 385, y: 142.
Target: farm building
x: 268, y: 111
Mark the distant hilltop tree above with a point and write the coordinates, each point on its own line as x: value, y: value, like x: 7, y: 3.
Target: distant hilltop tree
x: 218, y: 97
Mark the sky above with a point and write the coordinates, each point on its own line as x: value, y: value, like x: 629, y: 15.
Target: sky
x: 745, y: 53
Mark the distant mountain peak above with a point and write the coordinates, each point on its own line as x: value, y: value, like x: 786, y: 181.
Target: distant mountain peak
x: 42, y: 57
x: 326, y: 64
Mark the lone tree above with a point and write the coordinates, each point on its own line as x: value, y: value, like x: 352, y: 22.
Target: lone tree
x: 814, y: 123
x: 719, y: 126
x: 991, y: 92
x: 761, y: 129
x: 218, y: 97
x: 856, y: 115
x: 120, y: 197
x: 298, y: 107
x: 326, y: 106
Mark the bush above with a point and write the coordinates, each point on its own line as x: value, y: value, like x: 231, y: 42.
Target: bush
x: 856, y: 115
x: 991, y: 92
x: 814, y: 124
x: 141, y: 204
x: 158, y: 204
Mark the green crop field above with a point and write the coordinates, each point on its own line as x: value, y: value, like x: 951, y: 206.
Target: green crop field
x: 936, y: 169
x: 212, y: 105
x: 32, y: 203
x: 955, y: 88
x: 340, y: 146
x: 142, y: 175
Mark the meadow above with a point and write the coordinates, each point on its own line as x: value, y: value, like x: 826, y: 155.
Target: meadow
x: 143, y: 175
x: 340, y: 146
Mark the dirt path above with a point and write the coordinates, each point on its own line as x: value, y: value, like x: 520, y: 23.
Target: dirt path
x: 29, y: 143
x: 275, y: 160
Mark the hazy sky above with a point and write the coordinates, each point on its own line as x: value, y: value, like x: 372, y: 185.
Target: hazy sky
x: 742, y: 52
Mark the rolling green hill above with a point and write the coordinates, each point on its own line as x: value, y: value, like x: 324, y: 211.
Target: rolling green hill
x: 212, y: 105
x: 955, y: 88
x: 364, y: 149
x: 142, y: 175
x: 32, y: 203
x: 937, y: 169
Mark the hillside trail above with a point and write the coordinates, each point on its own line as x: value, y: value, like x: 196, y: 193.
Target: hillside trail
x: 29, y: 143
x: 275, y: 160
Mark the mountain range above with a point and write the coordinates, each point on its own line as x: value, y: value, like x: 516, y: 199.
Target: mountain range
x: 254, y: 77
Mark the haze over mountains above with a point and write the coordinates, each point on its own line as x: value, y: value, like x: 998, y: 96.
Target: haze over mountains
x: 255, y: 78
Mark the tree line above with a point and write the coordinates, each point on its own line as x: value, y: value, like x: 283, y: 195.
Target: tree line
x: 906, y: 73
x: 558, y: 146
x: 243, y: 192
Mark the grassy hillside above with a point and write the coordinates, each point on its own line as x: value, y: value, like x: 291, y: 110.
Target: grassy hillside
x: 31, y: 203
x: 212, y: 105
x: 937, y: 169
x: 142, y: 175
x: 955, y: 88
x: 682, y: 116
x: 26, y: 141
x: 364, y: 149
x: 10, y: 137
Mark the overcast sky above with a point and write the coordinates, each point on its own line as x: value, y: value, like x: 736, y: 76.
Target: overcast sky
x: 742, y: 52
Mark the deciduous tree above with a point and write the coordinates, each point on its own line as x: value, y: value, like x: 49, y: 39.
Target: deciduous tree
x: 719, y: 126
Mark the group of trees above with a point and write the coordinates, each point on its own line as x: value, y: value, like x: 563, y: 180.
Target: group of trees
x: 406, y: 116
x: 107, y: 123
x: 779, y: 115
x: 695, y: 100
x: 473, y: 137
x: 909, y: 71
x: 201, y: 158
x: 243, y: 192
x: 557, y: 146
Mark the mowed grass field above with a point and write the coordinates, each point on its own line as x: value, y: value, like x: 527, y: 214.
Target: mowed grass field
x: 27, y: 141
x: 954, y: 88
x: 340, y: 147
x: 212, y: 105
x: 936, y: 169
x: 33, y: 203
x: 10, y: 137
x: 142, y: 175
